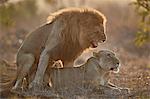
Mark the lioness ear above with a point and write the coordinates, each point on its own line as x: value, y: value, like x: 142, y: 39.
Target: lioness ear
x: 95, y: 54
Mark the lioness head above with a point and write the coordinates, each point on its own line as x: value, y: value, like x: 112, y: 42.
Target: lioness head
x: 107, y: 60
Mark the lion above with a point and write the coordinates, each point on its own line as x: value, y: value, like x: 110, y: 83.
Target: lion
x: 66, y: 29
x: 95, y: 71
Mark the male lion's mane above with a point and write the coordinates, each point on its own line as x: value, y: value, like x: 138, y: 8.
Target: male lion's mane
x: 74, y: 12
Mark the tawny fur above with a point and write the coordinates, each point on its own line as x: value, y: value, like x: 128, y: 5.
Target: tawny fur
x: 66, y: 35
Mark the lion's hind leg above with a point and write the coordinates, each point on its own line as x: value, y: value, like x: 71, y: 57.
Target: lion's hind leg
x: 24, y: 62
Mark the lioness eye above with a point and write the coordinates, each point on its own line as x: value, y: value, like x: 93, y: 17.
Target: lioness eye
x: 108, y: 54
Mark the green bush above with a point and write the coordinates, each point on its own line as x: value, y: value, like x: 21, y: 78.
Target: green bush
x: 143, y: 9
x: 9, y: 13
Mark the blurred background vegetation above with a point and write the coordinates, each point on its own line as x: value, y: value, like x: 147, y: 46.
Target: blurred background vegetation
x: 143, y: 9
x: 10, y: 12
x: 128, y: 33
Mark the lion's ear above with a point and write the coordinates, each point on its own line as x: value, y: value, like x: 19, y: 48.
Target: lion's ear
x: 95, y: 54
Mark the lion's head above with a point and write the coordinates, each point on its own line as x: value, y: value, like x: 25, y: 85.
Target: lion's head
x: 107, y: 60
x: 83, y: 26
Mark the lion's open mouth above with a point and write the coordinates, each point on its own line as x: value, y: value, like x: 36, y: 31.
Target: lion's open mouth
x: 94, y: 44
x: 114, y: 69
x: 111, y: 68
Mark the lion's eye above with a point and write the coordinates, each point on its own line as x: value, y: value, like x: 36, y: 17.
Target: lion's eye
x: 108, y: 55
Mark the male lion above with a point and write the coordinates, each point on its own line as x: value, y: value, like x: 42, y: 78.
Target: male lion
x: 67, y: 29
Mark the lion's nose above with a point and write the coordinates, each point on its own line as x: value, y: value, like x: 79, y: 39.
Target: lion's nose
x: 117, y: 63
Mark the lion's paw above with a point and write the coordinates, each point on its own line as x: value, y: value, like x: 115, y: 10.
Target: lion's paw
x: 36, y: 86
x: 18, y: 90
x: 116, y: 91
x: 125, y: 90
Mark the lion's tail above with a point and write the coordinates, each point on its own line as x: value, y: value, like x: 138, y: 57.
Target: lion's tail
x: 7, y: 76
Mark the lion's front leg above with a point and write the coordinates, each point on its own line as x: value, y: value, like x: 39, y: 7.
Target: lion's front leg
x: 45, y: 57
x: 39, y: 86
x: 112, y: 86
x: 37, y: 83
x: 106, y: 86
x: 118, y: 89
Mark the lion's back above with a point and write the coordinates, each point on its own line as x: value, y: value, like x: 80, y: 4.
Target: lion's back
x: 35, y: 41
